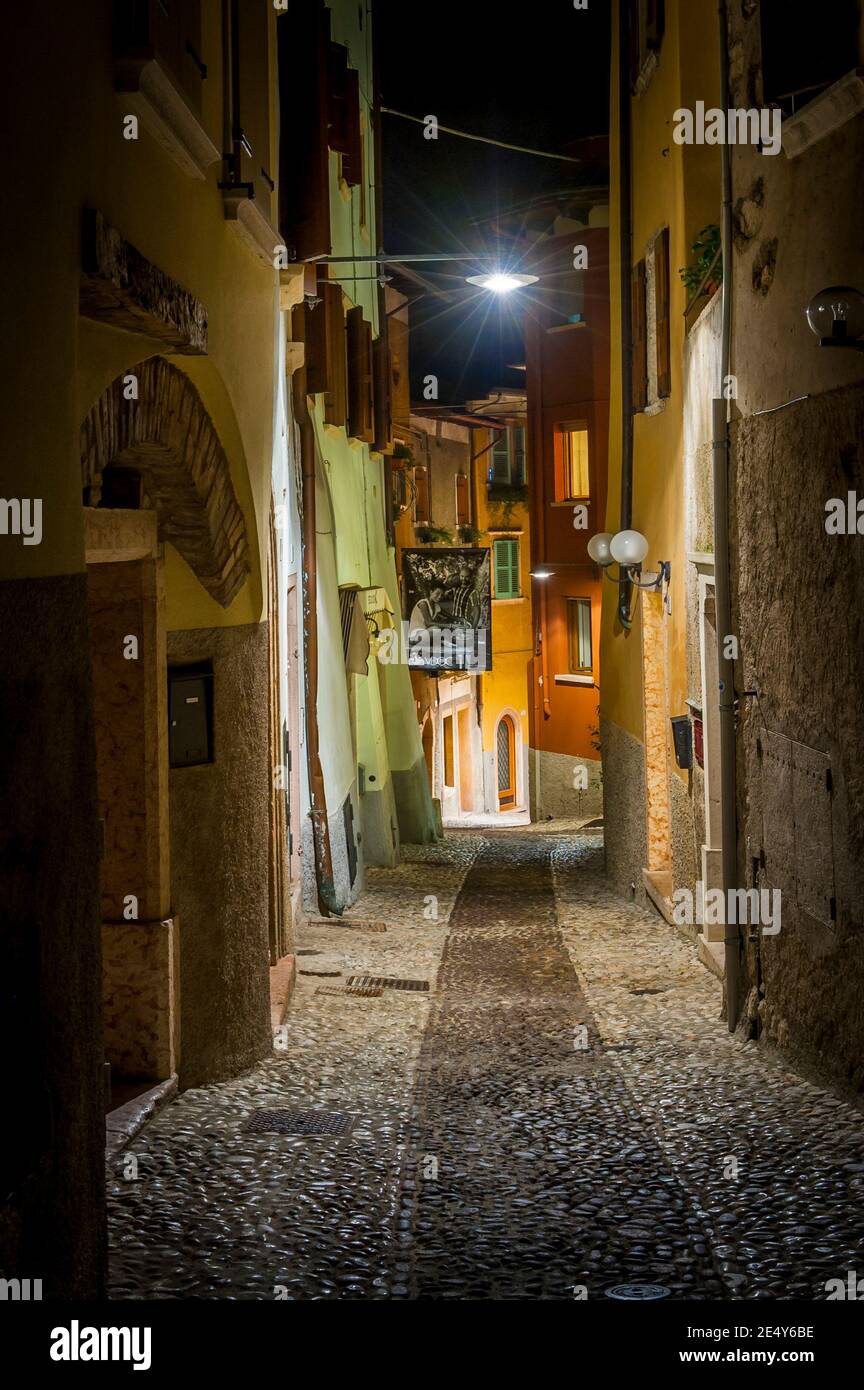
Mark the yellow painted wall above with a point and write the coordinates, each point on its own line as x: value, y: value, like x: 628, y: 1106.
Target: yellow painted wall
x: 677, y: 186
x: 77, y: 157
x: 505, y: 687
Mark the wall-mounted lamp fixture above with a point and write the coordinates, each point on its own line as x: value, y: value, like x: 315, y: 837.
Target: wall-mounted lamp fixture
x: 541, y: 574
x: 628, y: 550
x: 836, y: 316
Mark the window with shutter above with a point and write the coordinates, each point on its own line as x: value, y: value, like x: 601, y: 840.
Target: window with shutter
x: 382, y: 374
x: 421, y: 497
x: 344, y: 113
x: 506, y: 566
x: 661, y: 306
x: 251, y: 100
x: 463, y: 511
x: 361, y: 412
x: 640, y: 338
x: 304, y: 161
x: 336, y: 391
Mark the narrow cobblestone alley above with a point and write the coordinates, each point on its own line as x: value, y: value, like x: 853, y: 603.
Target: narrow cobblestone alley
x: 561, y: 1114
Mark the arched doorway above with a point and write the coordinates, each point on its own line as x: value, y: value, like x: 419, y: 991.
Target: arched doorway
x: 505, y: 750
x: 154, y: 471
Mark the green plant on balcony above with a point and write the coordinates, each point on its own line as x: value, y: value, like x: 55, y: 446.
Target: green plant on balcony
x: 504, y: 498
x: 469, y: 535
x: 433, y: 535
x: 703, y: 253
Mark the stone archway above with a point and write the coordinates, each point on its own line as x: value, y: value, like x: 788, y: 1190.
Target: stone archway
x: 167, y: 437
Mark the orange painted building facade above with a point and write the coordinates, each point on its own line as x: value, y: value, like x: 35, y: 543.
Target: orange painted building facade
x: 567, y: 373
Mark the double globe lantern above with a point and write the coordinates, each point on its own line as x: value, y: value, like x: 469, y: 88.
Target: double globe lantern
x: 628, y: 550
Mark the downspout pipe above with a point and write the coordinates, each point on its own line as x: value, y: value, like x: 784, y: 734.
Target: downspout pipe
x: 625, y: 221
x: 722, y: 587
x: 328, y: 901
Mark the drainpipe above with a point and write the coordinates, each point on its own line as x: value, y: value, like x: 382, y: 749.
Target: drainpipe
x: 328, y: 902
x: 722, y: 592
x: 625, y: 219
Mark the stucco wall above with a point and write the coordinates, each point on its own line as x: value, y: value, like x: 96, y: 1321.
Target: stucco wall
x: 553, y: 792
x: 219, y: 870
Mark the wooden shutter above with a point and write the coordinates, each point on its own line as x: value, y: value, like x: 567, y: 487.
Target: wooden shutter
x: 463, y: 513
x: 382, y: 372
x: 506, y: 568
x: 304, y: 162
x: 344, y: 113
x: 250, y: 54
x: 421, y: 497
x: 640, y: 338
x: 336, y: 392
x: 360, y: 396
x: 655, y: 22
x: 661, y: 305
x: 325, y: 352
x: 167, y: 30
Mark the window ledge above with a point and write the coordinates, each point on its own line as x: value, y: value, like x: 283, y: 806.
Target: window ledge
x: 824, y: 114
x: 147, y: 90
x: 566, y: 327
x: 587, y: 681
x: 256, y: 231
x: 519, y: 598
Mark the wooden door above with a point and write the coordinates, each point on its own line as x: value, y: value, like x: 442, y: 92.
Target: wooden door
x: 506, y: 751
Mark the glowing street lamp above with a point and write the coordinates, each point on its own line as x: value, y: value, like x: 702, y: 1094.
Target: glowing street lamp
x: 501, y: 281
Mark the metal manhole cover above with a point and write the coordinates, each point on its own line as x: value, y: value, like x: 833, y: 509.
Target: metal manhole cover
x: 636, y: 1293
x: 328, y: 1122
x: 358, y: 991
x: 387, y: 982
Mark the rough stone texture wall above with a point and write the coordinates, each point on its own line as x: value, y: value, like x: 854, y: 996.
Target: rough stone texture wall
x: 378, y: 825
x: 655, y: 695
x: 219, y: 868
x: 52, y: 1158
x: 552, y: 791
x: 121, y: 287
x: 685, y: 859
x: 625, y: 832
x: 413, y: 805
x: 170, y: 439
x: 799, y: 607
x: 140, y: 996
x: 346, y: 892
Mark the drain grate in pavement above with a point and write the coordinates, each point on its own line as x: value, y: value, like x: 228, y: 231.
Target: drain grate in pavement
x: 636, y: 1293
x: 359, y: 991
x: 326, y: 1122
x: 651, y: 989
x: 387, y: 982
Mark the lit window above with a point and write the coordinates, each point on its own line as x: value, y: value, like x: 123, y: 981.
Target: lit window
x: 572, y: 478
x: 579, y: 649
x: 506, y: 558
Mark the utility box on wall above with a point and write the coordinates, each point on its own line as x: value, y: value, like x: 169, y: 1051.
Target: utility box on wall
x: 190, y: 715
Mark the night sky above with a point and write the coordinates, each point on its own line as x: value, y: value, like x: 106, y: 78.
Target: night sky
x: 532, y: 75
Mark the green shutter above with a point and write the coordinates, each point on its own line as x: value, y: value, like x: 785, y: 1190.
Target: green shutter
x: 506, y: 569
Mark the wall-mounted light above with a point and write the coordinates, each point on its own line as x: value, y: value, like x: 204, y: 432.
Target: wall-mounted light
x: 836, y: 316
x: 628, y: 550
x: 542, y: 574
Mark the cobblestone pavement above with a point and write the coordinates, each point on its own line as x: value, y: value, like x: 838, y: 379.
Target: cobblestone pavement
x: 562, y: 1112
